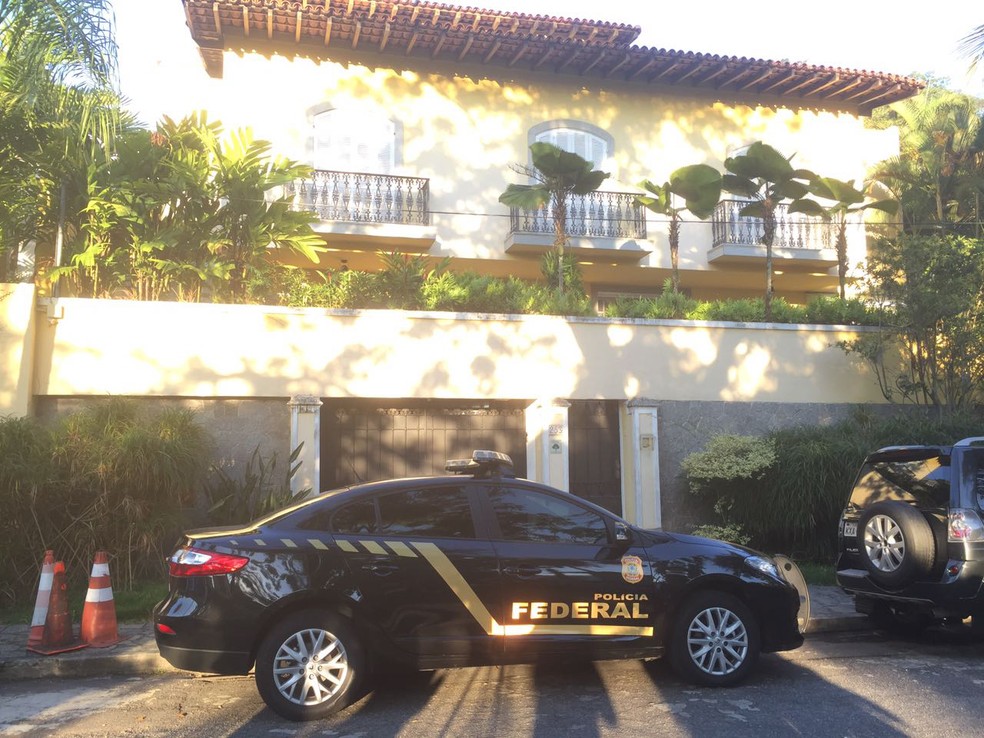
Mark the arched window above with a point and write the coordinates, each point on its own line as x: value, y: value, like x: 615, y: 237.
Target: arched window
x: 355, y: 141
x: 587, y: 141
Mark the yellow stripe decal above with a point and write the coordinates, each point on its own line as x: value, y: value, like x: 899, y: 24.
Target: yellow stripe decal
x: 260, y: 542
x: 452, y: 577
x: 288, y: 543
x: 373, y: 547
x: 317, y: 544
x: 347, y: 546
x: 401, y: 549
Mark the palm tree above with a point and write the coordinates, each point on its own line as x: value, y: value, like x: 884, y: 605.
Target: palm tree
x: 766, y: 177
x: 559, y: 175
x: 57, y: 95
x: 972, y: 46
x: 938, y: 175
x: 700, y: 187
x: 848, y: 200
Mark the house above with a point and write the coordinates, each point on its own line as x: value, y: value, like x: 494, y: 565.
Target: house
x: 411, y: 114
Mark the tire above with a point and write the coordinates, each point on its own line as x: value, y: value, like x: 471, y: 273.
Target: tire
x: 309, y: 665
x: 896, y: 542
x: 714, y: 640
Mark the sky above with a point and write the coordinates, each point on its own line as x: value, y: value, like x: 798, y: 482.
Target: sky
x: 156, y: 47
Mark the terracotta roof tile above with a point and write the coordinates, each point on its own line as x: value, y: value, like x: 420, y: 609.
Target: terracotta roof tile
x: 544, y: 44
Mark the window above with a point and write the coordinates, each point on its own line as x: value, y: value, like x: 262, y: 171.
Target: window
x: 359, y: 518
x: 443, y: 512
x: 587, y: 141
x: 527, y: 515
x: 355, y: 141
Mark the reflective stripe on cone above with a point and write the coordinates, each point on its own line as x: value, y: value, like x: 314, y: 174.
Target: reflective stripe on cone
x: 36, y: 635
x: 99, y: 613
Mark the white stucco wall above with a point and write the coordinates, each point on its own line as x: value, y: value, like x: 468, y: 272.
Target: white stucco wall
x: 99, y: 347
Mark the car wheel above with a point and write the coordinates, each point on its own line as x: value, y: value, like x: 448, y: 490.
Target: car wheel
x: 714, y: 640
x: 308, y: 665
x: 896, y: 542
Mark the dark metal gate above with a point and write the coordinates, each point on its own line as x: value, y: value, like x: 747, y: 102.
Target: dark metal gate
x: 369, y: 439
x: 595, y: 461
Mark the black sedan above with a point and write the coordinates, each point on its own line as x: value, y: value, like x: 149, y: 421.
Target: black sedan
x: 474, y: 568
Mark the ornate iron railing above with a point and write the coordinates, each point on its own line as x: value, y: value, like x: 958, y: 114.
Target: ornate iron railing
x: 597, y: 214
x: 363, y: 198
x: 793, y: 231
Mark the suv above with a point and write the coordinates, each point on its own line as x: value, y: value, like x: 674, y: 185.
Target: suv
x: 473, y: 568
x: 911, y: 538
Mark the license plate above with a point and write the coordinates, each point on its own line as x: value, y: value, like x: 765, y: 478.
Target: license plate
x: 850, y: 530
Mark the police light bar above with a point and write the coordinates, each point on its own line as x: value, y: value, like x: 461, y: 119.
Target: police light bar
x: 479, y: 462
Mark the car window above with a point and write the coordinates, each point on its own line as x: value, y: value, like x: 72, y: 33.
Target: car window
x: 358, y: 518
x: 924, y: 481
x: 528, y: 515
x: 442, y: 512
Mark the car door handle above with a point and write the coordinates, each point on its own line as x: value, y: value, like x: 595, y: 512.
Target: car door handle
x: 381, y: 570
x: 522, y: 572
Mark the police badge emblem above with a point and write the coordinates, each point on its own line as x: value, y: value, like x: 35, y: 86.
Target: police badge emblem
x: 632, y: 569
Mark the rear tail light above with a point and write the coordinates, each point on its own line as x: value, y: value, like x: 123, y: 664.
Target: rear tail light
x: 964, y: 525
x: 193, y: 562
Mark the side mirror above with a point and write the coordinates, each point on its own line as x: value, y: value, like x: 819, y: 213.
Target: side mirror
x: 622, y: 532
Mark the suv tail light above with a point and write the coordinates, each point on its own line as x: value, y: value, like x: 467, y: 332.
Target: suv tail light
x: 964, y: 525
x: 193, y: 562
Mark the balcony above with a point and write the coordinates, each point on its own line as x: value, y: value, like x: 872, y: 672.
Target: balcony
x: 358, y: 209
x: 600, y: 225
x: 800, y: 240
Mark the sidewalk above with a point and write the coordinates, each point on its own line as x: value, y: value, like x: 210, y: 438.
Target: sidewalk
x: 136, y: 652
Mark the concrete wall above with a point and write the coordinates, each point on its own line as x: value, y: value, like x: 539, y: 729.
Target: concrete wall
x: 17, y: 328
x: 100, y: 347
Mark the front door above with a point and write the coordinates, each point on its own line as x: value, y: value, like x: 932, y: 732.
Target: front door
x: 422, y: 572
x: 569, y: 585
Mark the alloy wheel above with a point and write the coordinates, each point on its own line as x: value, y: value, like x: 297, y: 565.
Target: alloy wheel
x: 717, y: 641
x: 884, y: 543
x: 310, y: 667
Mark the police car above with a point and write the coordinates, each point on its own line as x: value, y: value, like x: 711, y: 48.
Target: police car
x: 474, y: 568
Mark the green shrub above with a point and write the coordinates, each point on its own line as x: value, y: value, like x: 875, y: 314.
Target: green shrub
x: 786, y: 490
x: 730, y: 533
x: 260, y: 489
x: 107, y: 478
x: 834, y: 311
x: 748, y: 310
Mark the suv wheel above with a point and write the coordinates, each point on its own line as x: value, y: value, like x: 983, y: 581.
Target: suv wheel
x: 896, y: 542
x: 308, y: 665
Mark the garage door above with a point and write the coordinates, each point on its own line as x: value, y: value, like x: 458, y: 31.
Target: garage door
x: 365, y: 440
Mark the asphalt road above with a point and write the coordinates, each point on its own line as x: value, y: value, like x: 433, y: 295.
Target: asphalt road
x: 849, y: 684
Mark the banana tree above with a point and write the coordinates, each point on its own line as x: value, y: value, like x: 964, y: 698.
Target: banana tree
x: 558, y: 175
x: 767, y: 178
x: 700, y: 187
x: 847, y: 200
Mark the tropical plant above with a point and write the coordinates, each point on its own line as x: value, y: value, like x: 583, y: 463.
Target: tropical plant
x: 559, y: 175
x: 938, y: 175
x: 767, y: 178
x: 847, y: 201
x: 930, y: 349
x: 260, y: 488
x: 184, y: 209
x: 700, y: 187
x: 972, y: 46
x: 57, y: 105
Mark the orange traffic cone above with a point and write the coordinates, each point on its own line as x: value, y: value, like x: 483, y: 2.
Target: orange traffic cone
x: 57, y: 636
x: 99, y: 614
x: 36, y: 635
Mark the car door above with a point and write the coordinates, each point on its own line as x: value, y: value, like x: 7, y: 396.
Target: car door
x: 422, y: 572
x: 573, y: 581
